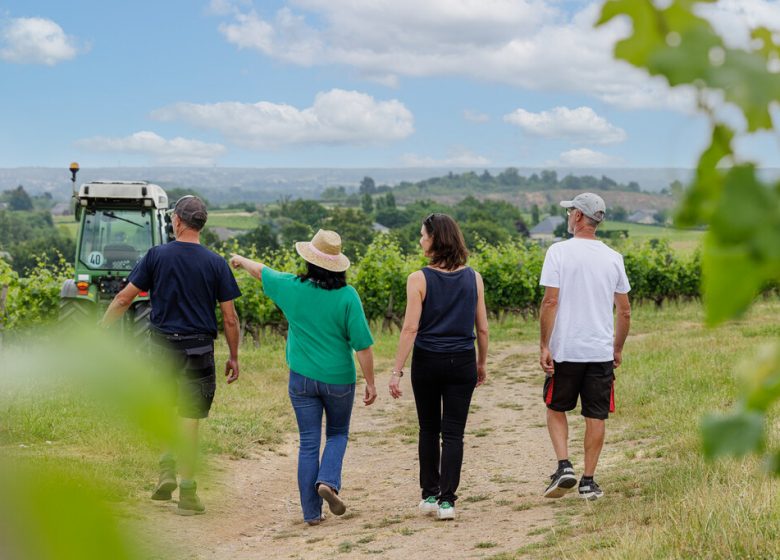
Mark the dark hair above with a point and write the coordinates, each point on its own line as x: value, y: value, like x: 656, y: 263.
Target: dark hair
x: 448, y: 248
x: 325, y: 279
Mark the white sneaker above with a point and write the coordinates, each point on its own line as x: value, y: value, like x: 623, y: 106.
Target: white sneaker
x: 429, y: 505
x: 446, y: 511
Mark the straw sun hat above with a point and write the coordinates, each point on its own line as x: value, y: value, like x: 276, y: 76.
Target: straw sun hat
x: 324, y: 250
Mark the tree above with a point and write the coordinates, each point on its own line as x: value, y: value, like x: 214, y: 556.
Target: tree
x: 334, y: 193
x: 562, y: 230
x: 261, y: 238
x: 293, y: 231
x: 549, y: 179
x: 509, y: 177
x: 485, y: 230
x: 18, y: 199
x: 367, y: 186
x: 392, y: 217
x: 367, y: 203
x: 175, y: 193
x: 617, y: 213
x: 534, y: 214
x: 661, y: 216
x: 309, y: 212
x: 355, y: 229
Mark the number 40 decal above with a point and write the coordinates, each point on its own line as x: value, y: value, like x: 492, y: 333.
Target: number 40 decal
x: 95, y: 259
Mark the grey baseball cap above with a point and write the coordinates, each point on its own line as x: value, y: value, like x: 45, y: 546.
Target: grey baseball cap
x: 592, y: 205
x: 192, y: 211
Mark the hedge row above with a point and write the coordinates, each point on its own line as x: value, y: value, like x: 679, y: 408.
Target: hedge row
x: 510, y: 272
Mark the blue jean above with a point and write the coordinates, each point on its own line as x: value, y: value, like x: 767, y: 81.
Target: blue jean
x: 309, y: 398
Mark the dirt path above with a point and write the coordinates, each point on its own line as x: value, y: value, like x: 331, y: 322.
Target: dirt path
x: 253, y: 508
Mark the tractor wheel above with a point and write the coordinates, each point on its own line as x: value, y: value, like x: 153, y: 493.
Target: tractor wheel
x: 77, y: 313
x: 142, y: 312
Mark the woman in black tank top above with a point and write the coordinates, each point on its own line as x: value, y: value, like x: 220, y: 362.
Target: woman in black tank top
x: 445, y: 302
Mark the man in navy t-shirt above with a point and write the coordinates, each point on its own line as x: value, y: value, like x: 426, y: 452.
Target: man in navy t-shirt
x: 185, y: 281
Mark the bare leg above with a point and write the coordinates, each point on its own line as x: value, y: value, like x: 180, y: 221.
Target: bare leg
x: 558, y: 427
x: 188, y: 458
x: 594, y: 441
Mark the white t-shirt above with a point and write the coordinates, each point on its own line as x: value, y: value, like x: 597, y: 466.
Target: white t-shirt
x: 588, y: 274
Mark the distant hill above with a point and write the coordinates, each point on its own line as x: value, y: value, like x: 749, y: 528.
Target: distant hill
x: 225, y: 184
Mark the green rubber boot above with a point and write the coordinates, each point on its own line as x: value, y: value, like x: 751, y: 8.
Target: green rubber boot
x: 189, y: 502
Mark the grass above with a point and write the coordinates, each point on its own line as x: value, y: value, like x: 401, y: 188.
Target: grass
x: 663, y: 501
x: 232, y: 219
x: 685, y: 240
x: 666, y: 501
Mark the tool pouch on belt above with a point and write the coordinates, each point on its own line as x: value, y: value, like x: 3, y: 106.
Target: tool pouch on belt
x: 199, y: 357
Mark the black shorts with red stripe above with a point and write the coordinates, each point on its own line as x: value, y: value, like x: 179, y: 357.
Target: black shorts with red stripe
x: 592, y: 382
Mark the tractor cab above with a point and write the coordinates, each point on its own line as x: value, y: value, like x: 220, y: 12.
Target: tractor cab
x: 119, y: 221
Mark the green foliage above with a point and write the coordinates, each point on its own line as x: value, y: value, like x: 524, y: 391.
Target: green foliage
x: 741, y: 252
x: 511, y: 273
x: 17, y: 199
x: 508, y: 180
x: 175, y: 193
x: 261, y: 238
x: 657, y: 273
x: 31, y: 237
x: 309, y: 212
x: 50, y: 512
x: 355, y: 229
x: 380, y: 280
x: 32, y: 300
x: 255, y: 310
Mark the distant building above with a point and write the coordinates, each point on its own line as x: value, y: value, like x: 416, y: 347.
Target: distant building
x: 62, y: 209
x: 379, y: 228
x: 545, y: 230
x: 642, y: 217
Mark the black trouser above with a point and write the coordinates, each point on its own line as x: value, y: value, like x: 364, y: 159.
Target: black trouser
x: 438, y: 379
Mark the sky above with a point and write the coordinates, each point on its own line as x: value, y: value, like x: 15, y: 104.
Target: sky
x: 343, y: 83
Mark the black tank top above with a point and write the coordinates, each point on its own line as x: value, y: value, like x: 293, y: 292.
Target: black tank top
x: 448, y: 311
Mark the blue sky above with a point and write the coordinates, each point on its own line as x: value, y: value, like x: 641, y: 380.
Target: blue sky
x: 341, y: 83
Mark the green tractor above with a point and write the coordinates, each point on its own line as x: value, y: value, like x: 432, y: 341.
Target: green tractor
x: 119, y: 221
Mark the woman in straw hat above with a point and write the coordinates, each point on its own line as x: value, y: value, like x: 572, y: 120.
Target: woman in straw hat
x: 445, y: 302
x: 326, y: 324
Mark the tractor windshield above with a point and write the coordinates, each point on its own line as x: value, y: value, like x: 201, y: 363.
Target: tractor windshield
x: 115, y: 239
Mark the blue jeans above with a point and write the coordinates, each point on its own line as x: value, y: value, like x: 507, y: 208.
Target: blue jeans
x: 309, y: 398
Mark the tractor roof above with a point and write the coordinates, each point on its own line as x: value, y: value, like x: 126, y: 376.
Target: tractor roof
x: 124, y: 191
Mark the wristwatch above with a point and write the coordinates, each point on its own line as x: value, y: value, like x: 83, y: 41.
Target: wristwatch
x: 398, y: 373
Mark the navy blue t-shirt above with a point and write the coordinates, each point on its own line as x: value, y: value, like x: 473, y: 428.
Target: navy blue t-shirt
x: 185, y: 281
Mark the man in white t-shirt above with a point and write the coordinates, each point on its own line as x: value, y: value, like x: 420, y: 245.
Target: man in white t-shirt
x: 583, y: 280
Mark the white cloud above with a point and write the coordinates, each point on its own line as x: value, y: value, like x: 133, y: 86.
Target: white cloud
x: 336, y: 117
x: 733, y: 18
x: 462, y: 158
x: 530, y: 44
x: 35, y: 41
x: 584, y: 157
x: 178, y: 151
x: 475, y: 116
x: 575, y: 125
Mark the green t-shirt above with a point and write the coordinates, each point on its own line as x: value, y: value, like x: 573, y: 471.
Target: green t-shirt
x: 325, y: 326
